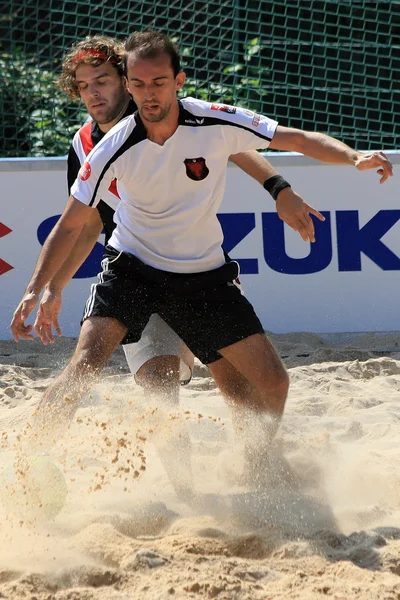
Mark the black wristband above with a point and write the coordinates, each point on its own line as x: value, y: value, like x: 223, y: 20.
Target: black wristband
x: 275, y: 184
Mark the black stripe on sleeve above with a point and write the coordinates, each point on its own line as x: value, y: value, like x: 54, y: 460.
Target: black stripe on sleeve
x: 73, y: 166
x: 187, y: 119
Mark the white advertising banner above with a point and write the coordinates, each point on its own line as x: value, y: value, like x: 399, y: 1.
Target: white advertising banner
x: 348, y: 280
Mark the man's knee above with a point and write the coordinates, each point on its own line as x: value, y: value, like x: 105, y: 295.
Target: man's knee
x: 270, y: 389
x: 98, y: 339
x: 89, y: 357
x: 235, y: 389
x: 278, y: 381
x: 159, y: 372
x: 84, y: 363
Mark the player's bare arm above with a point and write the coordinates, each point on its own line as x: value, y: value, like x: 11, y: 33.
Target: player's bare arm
x: 57, y: 246
x: 50, y: 303
x: 329, y: 150
x: 290, y: 206
x: 254, y: 164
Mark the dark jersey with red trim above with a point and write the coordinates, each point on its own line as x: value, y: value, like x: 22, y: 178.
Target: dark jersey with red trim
x: 84, y: 141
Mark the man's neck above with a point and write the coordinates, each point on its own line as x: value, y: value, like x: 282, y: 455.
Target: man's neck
x: 160, y: 132
x: 104, y: 127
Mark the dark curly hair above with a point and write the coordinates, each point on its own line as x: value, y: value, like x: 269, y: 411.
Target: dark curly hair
x: 93, y: 50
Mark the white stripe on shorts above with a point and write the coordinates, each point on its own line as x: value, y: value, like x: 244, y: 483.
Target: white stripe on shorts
x: 100, y: 279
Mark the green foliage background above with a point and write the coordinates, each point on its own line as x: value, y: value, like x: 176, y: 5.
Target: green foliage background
x: 318, y: 65
x: 39, y: 120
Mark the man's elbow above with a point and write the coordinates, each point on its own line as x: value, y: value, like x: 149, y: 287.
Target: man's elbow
x: 91, y: 232
x: 235, y: 158
x: 68, y: 226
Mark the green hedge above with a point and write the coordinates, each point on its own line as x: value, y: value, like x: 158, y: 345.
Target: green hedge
x: 38, y: 119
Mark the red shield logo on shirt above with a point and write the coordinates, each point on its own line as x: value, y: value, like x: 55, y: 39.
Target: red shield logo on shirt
x: 196, y: 168
x: 84, y: 171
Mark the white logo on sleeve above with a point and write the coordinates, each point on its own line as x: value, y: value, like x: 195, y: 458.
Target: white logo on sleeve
x: 85, y: 171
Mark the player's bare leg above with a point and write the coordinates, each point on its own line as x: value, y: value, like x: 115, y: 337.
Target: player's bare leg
x: 159, y: 378
x: 254, y: 381
x: 98, y: 338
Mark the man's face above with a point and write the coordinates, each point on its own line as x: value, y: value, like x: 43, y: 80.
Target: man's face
x: 153, y: 86
x: 102, y: 90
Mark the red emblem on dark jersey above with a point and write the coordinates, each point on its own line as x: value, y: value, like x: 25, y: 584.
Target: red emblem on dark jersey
x: 196, y: 168
x: 84, y: 171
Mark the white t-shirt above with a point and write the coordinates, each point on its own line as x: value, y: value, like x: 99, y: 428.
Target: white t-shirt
x: 170, y: 194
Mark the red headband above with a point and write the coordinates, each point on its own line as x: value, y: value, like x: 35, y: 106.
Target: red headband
x: 95, y: 54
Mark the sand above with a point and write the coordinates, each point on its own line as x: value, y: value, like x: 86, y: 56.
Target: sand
x: 326, y: 526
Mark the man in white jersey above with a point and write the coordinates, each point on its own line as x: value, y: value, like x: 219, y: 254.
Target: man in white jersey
x: 92, y: 71
x: 160, y: 361
x: 165, y: 254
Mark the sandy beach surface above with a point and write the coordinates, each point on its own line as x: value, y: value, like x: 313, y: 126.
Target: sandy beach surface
x: 327, y: 525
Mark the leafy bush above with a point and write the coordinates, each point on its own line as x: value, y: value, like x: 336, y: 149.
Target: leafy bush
x: 38, y: 119
x: 237, y: 83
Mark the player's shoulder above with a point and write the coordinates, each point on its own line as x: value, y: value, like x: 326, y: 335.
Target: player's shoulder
x: 200, y: 108
x: 125, y: 125
x: 82, y: 142
x: 116, y: 137
x: 85, y: 130
x: 224, y: 114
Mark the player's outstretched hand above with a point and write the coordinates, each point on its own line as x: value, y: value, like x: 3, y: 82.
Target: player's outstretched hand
x: 292, y: 209
x: 22, y: 312
x: 378, y: 161
x: 47, y: 317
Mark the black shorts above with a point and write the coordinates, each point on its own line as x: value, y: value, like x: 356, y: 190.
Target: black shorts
x: 207, y: 310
